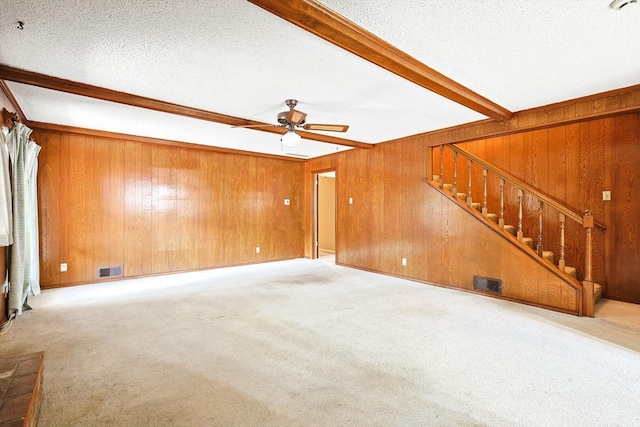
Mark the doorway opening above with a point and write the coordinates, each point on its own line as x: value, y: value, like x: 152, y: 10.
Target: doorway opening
x: 325, y: 215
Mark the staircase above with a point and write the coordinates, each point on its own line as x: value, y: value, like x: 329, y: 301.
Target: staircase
x: 592, y: 290
x: 512, y: 230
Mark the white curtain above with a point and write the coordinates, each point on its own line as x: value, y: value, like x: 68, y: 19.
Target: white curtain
x: 24, y: 269
x: 6, y: 221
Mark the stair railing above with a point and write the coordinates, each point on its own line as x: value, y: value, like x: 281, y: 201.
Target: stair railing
x: 585, y: 220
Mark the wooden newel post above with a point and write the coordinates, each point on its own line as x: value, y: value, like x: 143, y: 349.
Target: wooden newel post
x: 588, y: 298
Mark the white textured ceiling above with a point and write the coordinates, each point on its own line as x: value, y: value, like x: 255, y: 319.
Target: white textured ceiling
x: 232, y: 57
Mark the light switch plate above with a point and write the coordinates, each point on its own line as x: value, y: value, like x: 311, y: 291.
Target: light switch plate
x: 287, y: 202
x: 606, y: 195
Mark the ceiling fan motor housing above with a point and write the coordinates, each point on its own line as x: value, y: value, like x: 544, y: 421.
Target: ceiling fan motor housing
x: 283, y: 118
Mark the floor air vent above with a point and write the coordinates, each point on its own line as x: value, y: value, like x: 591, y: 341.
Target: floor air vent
x: 113, y: 271
x: 487, y: 284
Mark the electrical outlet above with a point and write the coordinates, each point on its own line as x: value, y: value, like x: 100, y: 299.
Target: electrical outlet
x: 257, y: 249
x: 404, y: 261
x: 63, y: 267
x: 606, y: 195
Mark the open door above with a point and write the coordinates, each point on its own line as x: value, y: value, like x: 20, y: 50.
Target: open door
x: 325, y: 214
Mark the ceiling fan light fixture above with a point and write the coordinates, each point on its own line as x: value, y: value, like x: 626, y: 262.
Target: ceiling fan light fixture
x: 290, y: 138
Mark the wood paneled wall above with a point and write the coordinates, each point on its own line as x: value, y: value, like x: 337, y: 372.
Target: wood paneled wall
x: 160, y: 209
x: 574, y: 164
x: 395, y: 214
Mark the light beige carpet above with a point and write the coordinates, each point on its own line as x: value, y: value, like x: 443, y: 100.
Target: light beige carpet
x: 309, y: 343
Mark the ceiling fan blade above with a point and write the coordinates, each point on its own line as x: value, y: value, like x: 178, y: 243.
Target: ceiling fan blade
x: 330, y: 128
x: 296, y: 117
x: 266, y: 125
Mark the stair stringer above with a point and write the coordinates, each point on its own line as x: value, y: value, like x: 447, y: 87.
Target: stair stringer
x: 525, y: 276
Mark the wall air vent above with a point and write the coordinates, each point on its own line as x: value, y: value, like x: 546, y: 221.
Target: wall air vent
x: 113, y: 271
x: 487, y: 284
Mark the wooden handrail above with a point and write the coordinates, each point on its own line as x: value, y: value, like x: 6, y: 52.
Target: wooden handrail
x: 559, y: 206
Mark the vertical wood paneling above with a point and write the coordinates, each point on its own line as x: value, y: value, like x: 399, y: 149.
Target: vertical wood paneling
x: 393, y: 237
x: 596, y: 186
x: 574, y: 232
x: 626, y: 258
x: 186, y: 207
x: 132, y: 200
x: 64, y: 198
x: 376, y: 209
x: 224, y: 202
x: 413, y: 209
x: 557, y: 187
x: 160, y: 219
x: 99, y: 210
x: 574, y: 164
x: 49, y: 220
x: 211, y: 238
x: 80, y: 180
x: 540, y: 168
x: 432, y: 233
x: 610, y: 272
x: 517, y: 168
x: 157, y: 209
x: 115, y: 208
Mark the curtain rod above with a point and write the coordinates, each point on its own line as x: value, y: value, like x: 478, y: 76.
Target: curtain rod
x: 9, y: 118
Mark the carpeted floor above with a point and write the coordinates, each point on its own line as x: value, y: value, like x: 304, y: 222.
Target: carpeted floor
x: 309, y: 343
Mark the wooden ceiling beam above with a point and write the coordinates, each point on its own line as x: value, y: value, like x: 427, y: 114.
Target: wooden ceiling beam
x: 327, y: 24
x: 54, y: 83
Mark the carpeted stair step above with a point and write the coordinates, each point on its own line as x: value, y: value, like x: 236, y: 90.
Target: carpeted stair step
x: 571, y: 271
x: 528, y: 241
x: 597, y: 292
x: 510, y: 229
x: 549, y: 256
x: 477, y: 206
x: 492, y: 217
x: 462, y: 196
x: 448, y: 187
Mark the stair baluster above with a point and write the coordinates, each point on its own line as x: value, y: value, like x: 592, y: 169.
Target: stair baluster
x: 469, y: 200
x: 484, y: 197
x: 455, y: 173
x: 520, y: 234
x: 441, y: 165
x: 540, y: 229
x: 561, y: 263
x: 501, y: 220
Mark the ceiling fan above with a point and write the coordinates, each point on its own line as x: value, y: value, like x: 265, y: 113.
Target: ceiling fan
x: 293, y: 119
